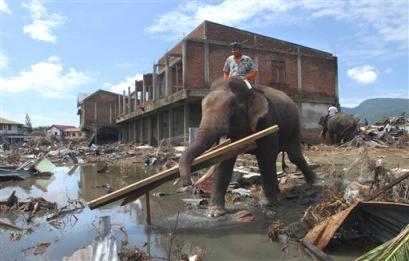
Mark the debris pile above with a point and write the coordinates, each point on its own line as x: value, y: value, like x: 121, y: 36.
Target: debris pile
x: 34, y: 206
x: 392, y: 131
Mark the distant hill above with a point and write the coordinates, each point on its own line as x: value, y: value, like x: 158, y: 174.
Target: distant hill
x: 376, y: 109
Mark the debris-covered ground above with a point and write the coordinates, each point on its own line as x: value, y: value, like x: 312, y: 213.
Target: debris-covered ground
x: 46, y: 215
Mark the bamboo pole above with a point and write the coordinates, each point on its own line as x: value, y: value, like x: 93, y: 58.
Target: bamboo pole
x: 135, y: 190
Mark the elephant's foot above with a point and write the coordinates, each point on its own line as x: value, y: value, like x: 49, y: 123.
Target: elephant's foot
x: 183, y: 189
x: 268, y: 202
x: 310, y: 177
x: 216, y: 211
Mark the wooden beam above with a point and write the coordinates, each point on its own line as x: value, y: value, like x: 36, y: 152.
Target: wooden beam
x: 135, y: 190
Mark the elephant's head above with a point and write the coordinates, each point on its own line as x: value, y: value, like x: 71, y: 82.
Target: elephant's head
x: 230, y: 109
x: 322, y: 120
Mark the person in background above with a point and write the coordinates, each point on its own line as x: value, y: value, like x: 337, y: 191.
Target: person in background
x: 332, y: 110
x: 240, y: 65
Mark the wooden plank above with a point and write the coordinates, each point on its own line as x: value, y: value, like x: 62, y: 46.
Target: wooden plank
x: 205, y: 176
x: 133, y: 191
x: 322, y: 233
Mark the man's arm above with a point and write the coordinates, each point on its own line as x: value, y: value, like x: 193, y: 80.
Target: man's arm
x: 251, y: 75
x: 226, y: 69
x: 253, y: 70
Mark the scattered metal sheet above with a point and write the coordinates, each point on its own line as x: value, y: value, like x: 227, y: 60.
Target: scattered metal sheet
x: 380, y: 221
x: 44, y: 166
x: 10, y: 173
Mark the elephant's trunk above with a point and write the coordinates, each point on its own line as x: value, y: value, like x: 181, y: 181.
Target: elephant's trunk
x: 204, y: 140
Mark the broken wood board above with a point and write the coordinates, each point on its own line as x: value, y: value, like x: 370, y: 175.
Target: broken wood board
x: 135, y: 190
x: 322, y: 233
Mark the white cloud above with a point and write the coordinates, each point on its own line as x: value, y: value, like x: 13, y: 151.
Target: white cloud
x: 43, y: 23
x: 123, y: 86
x: 388, y: 71
x: 230, y: 12
x: 387, y: 20
x: 364, y: 75
x: 4, y: 62
x: 4, y: 7
x: 47, y: 78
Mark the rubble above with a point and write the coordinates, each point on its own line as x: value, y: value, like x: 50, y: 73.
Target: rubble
x: 342, y: 183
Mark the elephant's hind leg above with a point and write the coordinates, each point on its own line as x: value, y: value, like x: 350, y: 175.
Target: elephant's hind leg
x: 296, y: 157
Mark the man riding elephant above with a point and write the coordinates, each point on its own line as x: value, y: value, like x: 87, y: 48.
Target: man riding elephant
x: 332, y: 110
x: 339, y: 127
x: 232, y: 109
x: 239, y: 65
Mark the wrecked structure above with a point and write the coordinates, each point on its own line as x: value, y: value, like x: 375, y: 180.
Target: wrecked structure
x: 11, y: 131
x: 97, y: 113
x: 182, y: 77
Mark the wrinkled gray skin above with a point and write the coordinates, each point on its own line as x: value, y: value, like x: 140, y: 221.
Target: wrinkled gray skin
x: 231, y: 109
x: 341, y: 126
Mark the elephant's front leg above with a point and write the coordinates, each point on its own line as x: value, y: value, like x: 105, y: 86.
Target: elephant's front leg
x: 266, y: 158
x: 222, y: 177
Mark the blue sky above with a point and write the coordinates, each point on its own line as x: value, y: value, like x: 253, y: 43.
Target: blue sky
x: 52, y: 50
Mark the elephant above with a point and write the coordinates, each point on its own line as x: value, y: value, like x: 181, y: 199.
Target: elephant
x: 340, y: 127
x: 233, y: 110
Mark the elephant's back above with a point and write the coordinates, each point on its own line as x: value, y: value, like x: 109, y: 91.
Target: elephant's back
x: 278, y: 97
x: 285, y: 115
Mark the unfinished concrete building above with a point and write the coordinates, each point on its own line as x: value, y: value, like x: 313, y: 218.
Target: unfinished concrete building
x: 182, y: 77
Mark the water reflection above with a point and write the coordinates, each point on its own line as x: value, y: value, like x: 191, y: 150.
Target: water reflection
x: 223, y: 241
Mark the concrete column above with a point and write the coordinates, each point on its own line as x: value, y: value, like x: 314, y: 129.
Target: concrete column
x: 115, y: 112
x: 124, y: 102
x: 168, y: 78
x: 184, y: 75
x: 154, y: 83
x: 170, y: 125
x: 129, y: 131
x: 136, y: 97
x: 158, y: 127
x: 141, y: 130
x: 119, y: 104
x: 206, y: 64
x: 299, y: 73
x: 110, y: 113
x: 143, y: 95
x: 186, y: 123
x: 150, y: 130
x: 129, y: 99
x: 95, y: 112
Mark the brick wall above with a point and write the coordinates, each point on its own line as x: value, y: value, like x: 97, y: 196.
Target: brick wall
x: 227, y: 34
x: 199, y: 32
x: 194, y: 65
x: 103, y: 101
x: 279, y: 71
x: 217, y: 58
x: 318, y: 76
x: 175, y: 50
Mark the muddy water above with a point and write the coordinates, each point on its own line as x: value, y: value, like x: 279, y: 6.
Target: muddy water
x: 222, y: 240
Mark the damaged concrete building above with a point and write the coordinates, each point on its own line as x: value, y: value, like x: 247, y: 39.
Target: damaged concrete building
x: 182, y: 77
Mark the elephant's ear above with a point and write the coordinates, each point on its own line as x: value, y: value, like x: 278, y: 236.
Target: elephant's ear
x: 257, y: 109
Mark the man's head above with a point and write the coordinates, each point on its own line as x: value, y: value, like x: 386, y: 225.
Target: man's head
x: 236, y: 48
